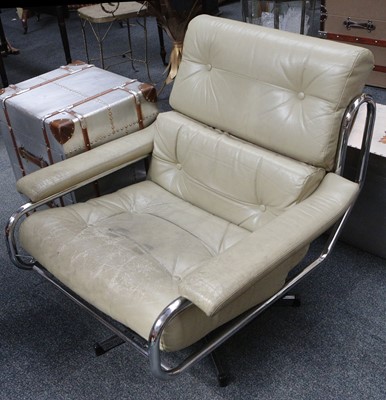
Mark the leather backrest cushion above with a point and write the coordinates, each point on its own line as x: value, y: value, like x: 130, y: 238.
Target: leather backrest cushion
x: 224, y: 175
x: 283, y: 91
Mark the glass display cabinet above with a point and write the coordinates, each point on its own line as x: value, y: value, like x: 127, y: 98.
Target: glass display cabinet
x: 300, y: 16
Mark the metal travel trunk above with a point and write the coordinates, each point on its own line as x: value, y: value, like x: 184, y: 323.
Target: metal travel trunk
x: 70, y: 110
x: 361, y: 23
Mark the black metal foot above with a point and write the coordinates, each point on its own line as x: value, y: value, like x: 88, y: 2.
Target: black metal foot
x: 108, y: 344
x: 222, y: 380
x: 292, y: 300
x: 222, y: 376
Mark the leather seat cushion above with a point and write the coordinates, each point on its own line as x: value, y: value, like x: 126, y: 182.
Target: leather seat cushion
x: 126, y: 252
x: 106, y: 250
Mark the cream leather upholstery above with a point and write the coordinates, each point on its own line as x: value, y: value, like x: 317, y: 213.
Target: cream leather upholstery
x: 241, y: 181
x: 281, y: 92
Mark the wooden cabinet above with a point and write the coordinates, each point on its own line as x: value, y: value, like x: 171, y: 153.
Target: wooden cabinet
x: 362, y: 23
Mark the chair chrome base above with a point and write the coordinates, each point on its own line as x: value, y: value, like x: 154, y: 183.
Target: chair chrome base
x: 114, y: 341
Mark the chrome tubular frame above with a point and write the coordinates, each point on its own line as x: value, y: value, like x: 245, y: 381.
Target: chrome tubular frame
x: 345, y: 131
x: 15, y: 219
x: 10, y: 236
x: 152, y: 347
x: 231, y: 328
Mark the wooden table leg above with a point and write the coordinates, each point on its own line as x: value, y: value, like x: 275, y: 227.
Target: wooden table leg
x: 61, y: 15
x: 3, y: 73
x: 161, y: 42
x: 3, y: 50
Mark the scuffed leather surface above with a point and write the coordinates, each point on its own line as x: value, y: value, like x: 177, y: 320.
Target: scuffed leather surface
x: 131, y: 253
x: 284, y: 92
x: 126, y: 252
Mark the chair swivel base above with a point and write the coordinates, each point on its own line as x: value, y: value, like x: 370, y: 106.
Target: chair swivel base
x: 113, y: 341
x: 110, y: 343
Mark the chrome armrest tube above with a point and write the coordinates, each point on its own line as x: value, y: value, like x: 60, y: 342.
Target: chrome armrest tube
x: 11, y: 242
x: 346, y: 127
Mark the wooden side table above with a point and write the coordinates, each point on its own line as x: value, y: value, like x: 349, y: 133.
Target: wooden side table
x: 106, y: 13
x: 5, y: 49
x: 3, y: 45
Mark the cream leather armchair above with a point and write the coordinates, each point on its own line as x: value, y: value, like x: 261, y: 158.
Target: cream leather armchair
x: 245, y: 172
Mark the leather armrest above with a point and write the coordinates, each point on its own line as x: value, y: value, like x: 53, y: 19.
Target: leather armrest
x: 97, y: 162
x: 217, y: 282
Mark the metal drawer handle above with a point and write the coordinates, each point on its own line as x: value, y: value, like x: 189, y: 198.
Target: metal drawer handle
x: 360, y: 25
